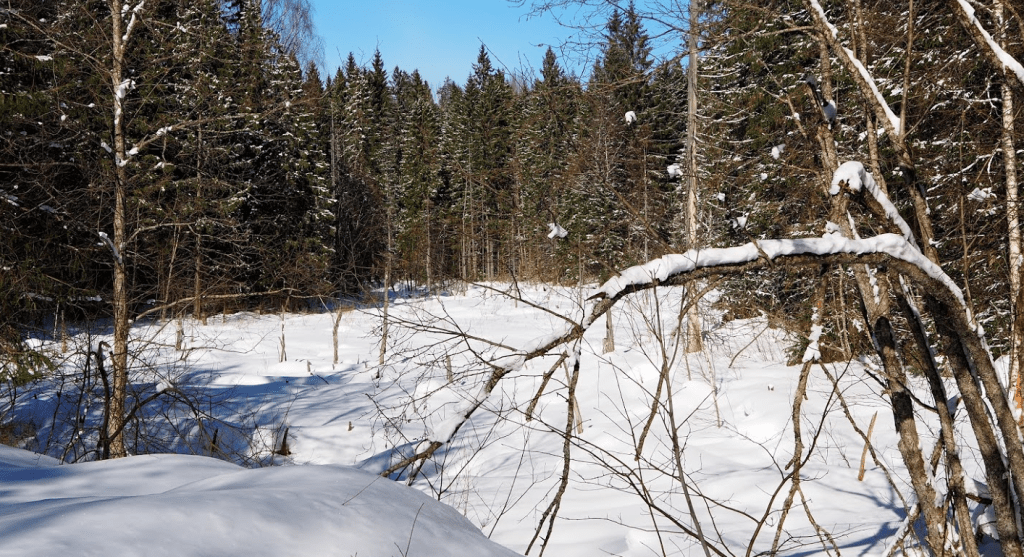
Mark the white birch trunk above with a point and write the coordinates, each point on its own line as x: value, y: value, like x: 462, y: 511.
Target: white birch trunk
x: 1013, y: 223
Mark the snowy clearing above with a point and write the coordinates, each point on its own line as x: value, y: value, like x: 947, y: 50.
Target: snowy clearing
x: 733, y: 406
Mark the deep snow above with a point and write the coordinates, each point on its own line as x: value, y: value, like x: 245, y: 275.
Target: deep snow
x: 733, y: 405
x: 177, y: 505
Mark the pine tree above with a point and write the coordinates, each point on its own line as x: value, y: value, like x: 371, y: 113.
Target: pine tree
x: 454, y: 163
x: 624, y: 65
x: 195, y: 171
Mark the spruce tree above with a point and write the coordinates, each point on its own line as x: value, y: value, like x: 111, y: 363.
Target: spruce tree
x: 486, y: 199
x: 546, y: 147
x: 619, y: 203
x: 45, y: 243
x: 359, y: 241
x: 419, y: 182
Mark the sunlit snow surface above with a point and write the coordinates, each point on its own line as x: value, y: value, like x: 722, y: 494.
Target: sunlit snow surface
x: 500, y: 471
x: 178, y: 505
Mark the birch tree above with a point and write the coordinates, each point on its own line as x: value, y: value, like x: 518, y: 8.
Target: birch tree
x: 994, y: 48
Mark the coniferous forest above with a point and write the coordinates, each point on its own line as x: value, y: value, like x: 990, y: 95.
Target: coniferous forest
x: 169, y: 158
x: 250, y: 180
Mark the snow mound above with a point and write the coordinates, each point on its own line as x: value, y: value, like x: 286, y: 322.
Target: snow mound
x: 177, y: 505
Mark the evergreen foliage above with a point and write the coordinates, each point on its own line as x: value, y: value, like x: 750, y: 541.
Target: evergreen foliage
x: 257, y: 175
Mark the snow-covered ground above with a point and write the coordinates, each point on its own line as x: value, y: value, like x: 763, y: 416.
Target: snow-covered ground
x: 177, y: 505
x: 227, y: 393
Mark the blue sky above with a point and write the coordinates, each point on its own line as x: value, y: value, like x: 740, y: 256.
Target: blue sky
x: 439, y: 38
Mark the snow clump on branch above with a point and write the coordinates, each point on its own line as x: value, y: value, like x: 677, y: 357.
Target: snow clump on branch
x: 856, y: 177
x: 556, y: 231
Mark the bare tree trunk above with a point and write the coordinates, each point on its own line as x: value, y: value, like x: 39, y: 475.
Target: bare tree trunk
x: 388, y: 262
x: 909, y: 443
x: 282, y: 355
x: 998, y: 469
x: 464, y: 255
x: 179, y: 334
x: 334, y: 334
x: 197, y: 286
x: 334, y: 149
x: 489, y: 253
x: 693, y: 333
x: 893, y: 125
x: 429, y: 265
x: 384, y: 322
x: 609, y: 334
x: 874, y: 293
x: 119, y: 357
x: 954, y: 469
x: 335, y: 264
x: 170, y: 272
x: 1011, y: 70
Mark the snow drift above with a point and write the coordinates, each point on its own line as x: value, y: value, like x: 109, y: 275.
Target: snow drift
x: 178, y: 505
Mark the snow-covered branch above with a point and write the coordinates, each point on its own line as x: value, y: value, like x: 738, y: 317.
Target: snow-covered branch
x: 134, y: 19
x: 857, y: 178
x: 113, y: 248
x: 965, y: 12
x: 124, y: 88
x: 155, y: 136
x: 813, y: 351
x: 860, y: 73
x: 556, y: 231
x: 891, y: 250
x: 671, y: 266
